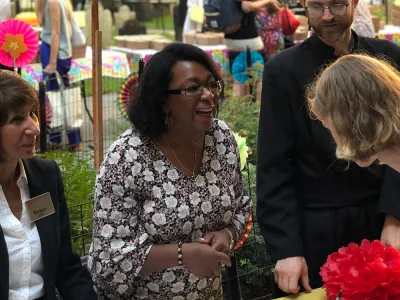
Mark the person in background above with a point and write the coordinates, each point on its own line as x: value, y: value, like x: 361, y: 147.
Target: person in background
x: 269, y: 28
x: 188, y: 24
x: 363, y: 24
x: 36, y: 254
x: 247, y: 35
x: 170, y: 202
x: 309, y: 203
x: 362, y: 109
x: 55, y: 17
x: 5, y: 10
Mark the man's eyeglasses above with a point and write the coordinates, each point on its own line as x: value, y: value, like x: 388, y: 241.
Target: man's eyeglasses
x: 196, y: 91
x: 317, y: 11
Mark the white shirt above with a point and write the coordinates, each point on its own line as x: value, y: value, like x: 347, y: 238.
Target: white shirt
x: 23, y: 245
x: 5, y: 10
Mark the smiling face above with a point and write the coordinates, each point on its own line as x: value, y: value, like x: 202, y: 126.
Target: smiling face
x: 328, y: 26
x: 18, y: 135
x: 192, y: 113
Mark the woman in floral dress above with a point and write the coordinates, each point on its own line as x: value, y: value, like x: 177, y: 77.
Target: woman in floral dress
x: 269, y: 27
x: 173, y: 179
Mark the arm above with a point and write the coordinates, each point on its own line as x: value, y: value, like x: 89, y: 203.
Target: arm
x: 277, y: 210
x: 122, y: 248
x: 55, y: 24
x: 72, y: 279
x: 389, y: 203
x: 249, y: 6
x: 239, y: 207
x: 389, y: 206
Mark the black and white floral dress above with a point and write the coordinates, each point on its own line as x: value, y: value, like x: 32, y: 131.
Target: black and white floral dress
x: 143, y: 200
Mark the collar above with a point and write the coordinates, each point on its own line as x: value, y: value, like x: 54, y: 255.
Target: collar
x: 22, y: 181
x: 314, y: 43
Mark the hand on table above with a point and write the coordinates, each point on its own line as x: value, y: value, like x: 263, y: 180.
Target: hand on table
x: 391, y: 232
x: 287, y: 273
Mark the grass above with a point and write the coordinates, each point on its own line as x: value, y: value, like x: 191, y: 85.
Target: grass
x: 168, y: 23
x: 110, y: 85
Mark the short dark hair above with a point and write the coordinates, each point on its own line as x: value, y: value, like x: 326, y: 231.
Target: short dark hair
x: 146, y: 109
x: 15, y: 94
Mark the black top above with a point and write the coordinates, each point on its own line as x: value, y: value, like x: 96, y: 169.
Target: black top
x: 247, y: 30
x: 62, y: 266
x: 296, y: 165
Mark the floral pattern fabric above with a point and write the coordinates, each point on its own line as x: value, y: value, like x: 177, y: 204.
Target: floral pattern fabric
x: 142, y: 200
x: 269, y: 27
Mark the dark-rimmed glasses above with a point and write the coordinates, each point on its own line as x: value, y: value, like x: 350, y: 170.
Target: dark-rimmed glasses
x: 196, y: 91
x: 317, y: 11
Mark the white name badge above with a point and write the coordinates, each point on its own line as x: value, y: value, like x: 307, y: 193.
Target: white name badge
x: 40, y: 207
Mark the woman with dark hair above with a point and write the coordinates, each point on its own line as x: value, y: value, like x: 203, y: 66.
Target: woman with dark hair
x: 170, y: 204
x: 36, y: 255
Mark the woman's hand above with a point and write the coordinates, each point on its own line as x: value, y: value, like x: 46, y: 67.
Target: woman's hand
x: 50, y: 69
x: 273, y: 7
x: 203, y: 261
x: 218, y: 240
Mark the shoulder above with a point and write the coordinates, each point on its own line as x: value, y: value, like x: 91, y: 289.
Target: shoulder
x: 42, y: 165
x: 220, y: 126
x: 286, y: 60
x: 130, y: 138
x: 126, y: 150
x: 220, y: 131
x: 383, y: 47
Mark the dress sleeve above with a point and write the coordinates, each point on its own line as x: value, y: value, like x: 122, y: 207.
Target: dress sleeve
x: 242, y: 209
x: 120, y: 242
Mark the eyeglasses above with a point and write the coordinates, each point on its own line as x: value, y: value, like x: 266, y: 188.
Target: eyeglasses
x: 317, y: 11
x: 196, y: 91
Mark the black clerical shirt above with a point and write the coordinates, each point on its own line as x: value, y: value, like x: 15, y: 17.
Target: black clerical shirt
x: 297, y: 168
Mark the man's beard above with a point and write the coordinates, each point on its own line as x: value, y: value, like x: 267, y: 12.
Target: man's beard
x: 331, y: 37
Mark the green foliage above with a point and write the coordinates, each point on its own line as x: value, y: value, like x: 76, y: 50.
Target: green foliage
x: 79, y: 178
x: 241, y: 115
x: 254, y: 267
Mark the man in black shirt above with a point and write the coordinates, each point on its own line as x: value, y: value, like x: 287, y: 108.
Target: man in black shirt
x: 309, y: 203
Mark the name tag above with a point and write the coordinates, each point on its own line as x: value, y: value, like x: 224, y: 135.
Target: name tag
x: 40, y: 207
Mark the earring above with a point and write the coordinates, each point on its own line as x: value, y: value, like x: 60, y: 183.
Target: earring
x: 168, y: 120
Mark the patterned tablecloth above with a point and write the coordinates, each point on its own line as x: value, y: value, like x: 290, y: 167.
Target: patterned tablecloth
x: 114, y: 64
x: 218, y: 53
x: 390, y: 33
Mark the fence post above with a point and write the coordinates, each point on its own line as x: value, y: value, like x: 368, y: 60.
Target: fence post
x: 232, y: 281
x: 42, y: 116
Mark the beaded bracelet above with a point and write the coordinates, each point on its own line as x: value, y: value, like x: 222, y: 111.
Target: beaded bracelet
x: 180, y: 253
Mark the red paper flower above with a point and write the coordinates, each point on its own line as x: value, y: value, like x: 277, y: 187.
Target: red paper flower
x: 369, y: 271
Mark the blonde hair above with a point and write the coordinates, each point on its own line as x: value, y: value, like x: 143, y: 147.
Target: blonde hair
x: 40, y: 7
x: 360, y: 95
